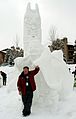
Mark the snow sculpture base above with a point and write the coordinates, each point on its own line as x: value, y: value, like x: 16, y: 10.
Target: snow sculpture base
x: 55, y: 72
x: 51, y: 80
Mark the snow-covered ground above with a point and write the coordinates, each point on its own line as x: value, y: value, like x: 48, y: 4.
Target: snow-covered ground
x: 11, y: 105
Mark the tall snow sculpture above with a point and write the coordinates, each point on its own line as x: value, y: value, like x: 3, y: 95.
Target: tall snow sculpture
x: 53, y: 73
x: 32, y: 32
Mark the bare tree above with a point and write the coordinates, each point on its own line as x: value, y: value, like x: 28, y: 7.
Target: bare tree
x: 17, y: 41
x: 53, y: 33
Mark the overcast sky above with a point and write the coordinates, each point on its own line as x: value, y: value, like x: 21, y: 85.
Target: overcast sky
x: 58, y: 13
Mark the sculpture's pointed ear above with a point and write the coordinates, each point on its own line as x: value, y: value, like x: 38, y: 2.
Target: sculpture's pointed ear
x: 28, y: 6
x: 37, y: 9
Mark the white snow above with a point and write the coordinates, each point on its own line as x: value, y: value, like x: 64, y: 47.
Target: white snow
x: 32, y: 35
x: 55, y: 72
x: 48, y: 104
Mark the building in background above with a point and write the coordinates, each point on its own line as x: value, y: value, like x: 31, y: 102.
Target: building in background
x: 8, y: 55
x: 69, y: 50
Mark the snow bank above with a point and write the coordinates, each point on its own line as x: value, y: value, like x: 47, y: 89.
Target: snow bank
x: 12, y: 76
x: 66, y: 108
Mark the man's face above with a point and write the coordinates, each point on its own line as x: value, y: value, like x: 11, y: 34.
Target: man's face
x: 26, y: 70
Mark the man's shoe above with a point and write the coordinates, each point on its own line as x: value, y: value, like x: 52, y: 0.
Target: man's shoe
x: 26, y: 113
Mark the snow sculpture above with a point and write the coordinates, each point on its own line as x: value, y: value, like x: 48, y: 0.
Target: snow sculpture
x: 54, y: 82
x: 54, y: 74
x: 32, y: 32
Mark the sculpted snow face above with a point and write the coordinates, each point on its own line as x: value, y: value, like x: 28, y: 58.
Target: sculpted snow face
x: 32, y: 32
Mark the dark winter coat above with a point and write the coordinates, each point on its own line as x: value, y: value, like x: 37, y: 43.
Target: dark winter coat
x: 3, y: 75
x: 21, y: 81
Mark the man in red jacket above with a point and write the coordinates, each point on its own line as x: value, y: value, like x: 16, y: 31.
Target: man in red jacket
x: 26, y: 86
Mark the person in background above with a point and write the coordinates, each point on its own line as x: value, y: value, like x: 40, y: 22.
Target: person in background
x: 74, y: 72
x: 69, y: 70
x: 26, y: 85
x: 4, y: 75
x: 1, y: 79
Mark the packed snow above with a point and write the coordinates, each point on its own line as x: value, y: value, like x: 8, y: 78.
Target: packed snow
x: 54, y: 98
x: 32, y: 35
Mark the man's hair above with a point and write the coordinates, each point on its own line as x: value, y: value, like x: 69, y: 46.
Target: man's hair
x: 26, y: 67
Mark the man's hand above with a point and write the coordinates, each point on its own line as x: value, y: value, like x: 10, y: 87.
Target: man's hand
x: 37, y: 67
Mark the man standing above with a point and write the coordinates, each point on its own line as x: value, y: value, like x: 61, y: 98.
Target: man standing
x: 74, y: 72
x: 3, y: 74
x: 26, y: 86
x: 1, y: 79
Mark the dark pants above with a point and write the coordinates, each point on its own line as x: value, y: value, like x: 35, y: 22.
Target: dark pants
x: 4, y: 81
x: 27, y: 102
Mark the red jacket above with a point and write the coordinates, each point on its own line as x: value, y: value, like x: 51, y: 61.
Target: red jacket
x: 21, y: 82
